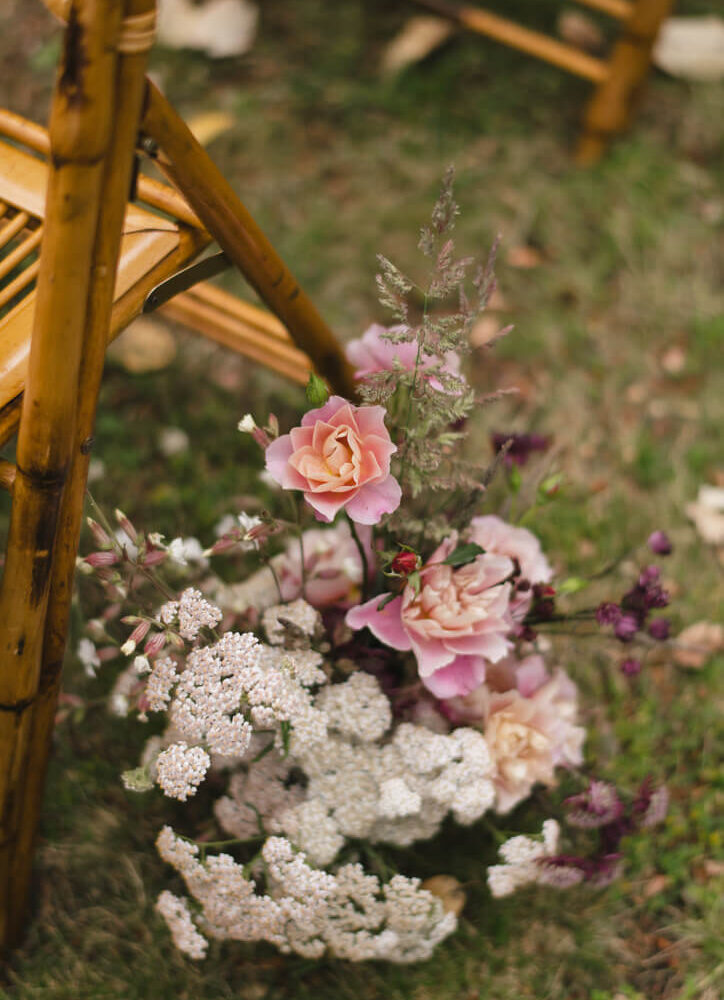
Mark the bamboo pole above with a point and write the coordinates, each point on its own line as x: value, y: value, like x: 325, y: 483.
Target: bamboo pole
x: 610, y: 107
x: 129, y: 86
x: 20, y: 252
x: 80, y: 127
x: 534, y: 43
x: 188, y: 166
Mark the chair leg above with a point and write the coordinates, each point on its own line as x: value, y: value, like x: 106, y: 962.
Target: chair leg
x: 609, y: 109
x: 213, y: 199
x: 117, y: 98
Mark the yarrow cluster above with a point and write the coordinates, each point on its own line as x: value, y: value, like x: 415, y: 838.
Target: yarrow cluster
x: 379, y: 666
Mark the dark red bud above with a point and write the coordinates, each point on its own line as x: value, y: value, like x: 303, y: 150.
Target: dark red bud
x: 404, y: 563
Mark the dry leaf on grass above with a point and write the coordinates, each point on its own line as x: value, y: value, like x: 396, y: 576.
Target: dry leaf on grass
x: 208, y: 124
x: 419, y: 37
x: 220, y: 28
x: 448, y: 890
x: 691, y: 47
x: 580, y: 30
x: 145, y: 346
x: 707, y: 513
x: 524, y: 257
x: 697, y: 644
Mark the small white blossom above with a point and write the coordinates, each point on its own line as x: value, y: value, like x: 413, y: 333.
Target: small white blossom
x: 181, y: 769
x: 247, y: 424
x: 88, y: 656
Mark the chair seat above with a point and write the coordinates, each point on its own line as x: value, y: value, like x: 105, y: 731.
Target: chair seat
x: 153, y: 247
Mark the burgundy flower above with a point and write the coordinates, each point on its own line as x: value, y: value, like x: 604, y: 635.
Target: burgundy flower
x: 631, y: 667
x: 626, y: 627
x: 659, y: 543
x: 608, y: 613
x: 522, y: 445
x: 598, y: 806
x: 659, y: 629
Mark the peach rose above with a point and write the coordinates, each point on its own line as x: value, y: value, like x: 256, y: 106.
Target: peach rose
x: 457, y: 622
x: 339, y: 458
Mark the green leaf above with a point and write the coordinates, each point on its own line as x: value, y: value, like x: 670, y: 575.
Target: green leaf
x: 515, y: 478
x: 550, y: 487
x: 263, y: 752
x: 317, y: 391
x: 415, y: 581
x: 463, y: 554
x: 572, y: 585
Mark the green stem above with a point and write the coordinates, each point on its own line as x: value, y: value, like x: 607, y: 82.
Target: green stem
x: 363, y: 558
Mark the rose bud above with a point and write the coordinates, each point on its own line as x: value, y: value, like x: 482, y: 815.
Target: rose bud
x: 659, y: 543
x: 405, y: 563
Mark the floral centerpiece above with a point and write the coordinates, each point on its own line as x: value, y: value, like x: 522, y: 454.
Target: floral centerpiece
x: 384, y: 667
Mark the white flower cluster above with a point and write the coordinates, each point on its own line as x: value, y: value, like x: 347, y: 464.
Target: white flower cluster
x: 192, y: 612
x: 397, y: 791
x: 347, y: 914
x: 180, y: 769
x: 524, y: 864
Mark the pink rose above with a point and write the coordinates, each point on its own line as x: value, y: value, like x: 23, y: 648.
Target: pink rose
x: 332, y: 566
x: 372, y: 353
x: 339, y: 457
x: 457, y: 622
x: 497, y: 536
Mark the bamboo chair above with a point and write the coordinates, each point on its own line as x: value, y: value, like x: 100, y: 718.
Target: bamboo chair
x: 617, y: 78
x: 79, y: 263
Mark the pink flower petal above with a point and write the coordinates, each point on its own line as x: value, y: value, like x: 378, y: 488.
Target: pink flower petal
x: 374, y: 500
x: 277, y: 463
x: 385, y: 624
x: 325, y: 505
x: 531, y: 675
x: 457, y: 679
x: 333, y: 404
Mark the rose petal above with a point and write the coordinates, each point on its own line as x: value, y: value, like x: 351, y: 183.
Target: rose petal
x: 374, y: 500
x: 385, y: 624
x: 277, y: 463
x: 457, y: 679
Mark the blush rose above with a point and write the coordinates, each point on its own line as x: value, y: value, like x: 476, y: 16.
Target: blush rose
x: 340, y: 459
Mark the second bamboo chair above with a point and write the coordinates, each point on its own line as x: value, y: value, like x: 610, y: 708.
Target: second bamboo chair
x: 80, y: 261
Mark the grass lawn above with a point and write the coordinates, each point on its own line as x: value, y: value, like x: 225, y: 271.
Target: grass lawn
x: 617, y: 354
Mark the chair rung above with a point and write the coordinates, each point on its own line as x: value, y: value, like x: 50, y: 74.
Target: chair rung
x: 21, y: 251
x: 534, y: 43
x: 11, y: 229
x: 620, y: 9
x: 8, y: 293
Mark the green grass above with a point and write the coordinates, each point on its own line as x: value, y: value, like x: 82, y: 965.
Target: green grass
x: 338, y: 165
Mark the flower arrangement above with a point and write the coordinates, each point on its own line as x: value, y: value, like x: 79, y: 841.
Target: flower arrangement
x: 383, y: 667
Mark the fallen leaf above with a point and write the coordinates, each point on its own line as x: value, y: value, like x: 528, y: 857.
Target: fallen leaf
x: 673, y: 360
x: 418, y: 38
x: 524, y: 257
x: 656, y: 885
x: 691, y: 47
x: 145, y: 346
x: 697, y: 644
x: 220, y: 28
x: 484, y: 330
x: 448, y: 890
x: 580, y: 30
x: 208, y: 124
x: 707, y: 513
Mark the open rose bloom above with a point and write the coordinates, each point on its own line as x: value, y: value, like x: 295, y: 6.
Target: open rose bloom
x: 458, y: 622
x: 340, y: 459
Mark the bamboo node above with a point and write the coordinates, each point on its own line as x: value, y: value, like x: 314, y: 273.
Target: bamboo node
x: 137, y: 33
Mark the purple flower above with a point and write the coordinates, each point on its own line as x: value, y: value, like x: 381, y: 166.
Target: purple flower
x: 630, y: 667
x: 650, y: 806
x: 659, y: 629
x: 608, y: 613
x: 626, y: 627
x: 659, y: 543
x: 649, y: 575
x: 521, y: 447
x: 598, y: 806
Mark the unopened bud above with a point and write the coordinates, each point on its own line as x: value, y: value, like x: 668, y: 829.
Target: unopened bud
x: 126, y: 525
x: 316, y: 390
x: 98, y: 559
x: 404, y: 563
x: 99, y: 535
x: 139, y: 633
x: 154, y: 644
